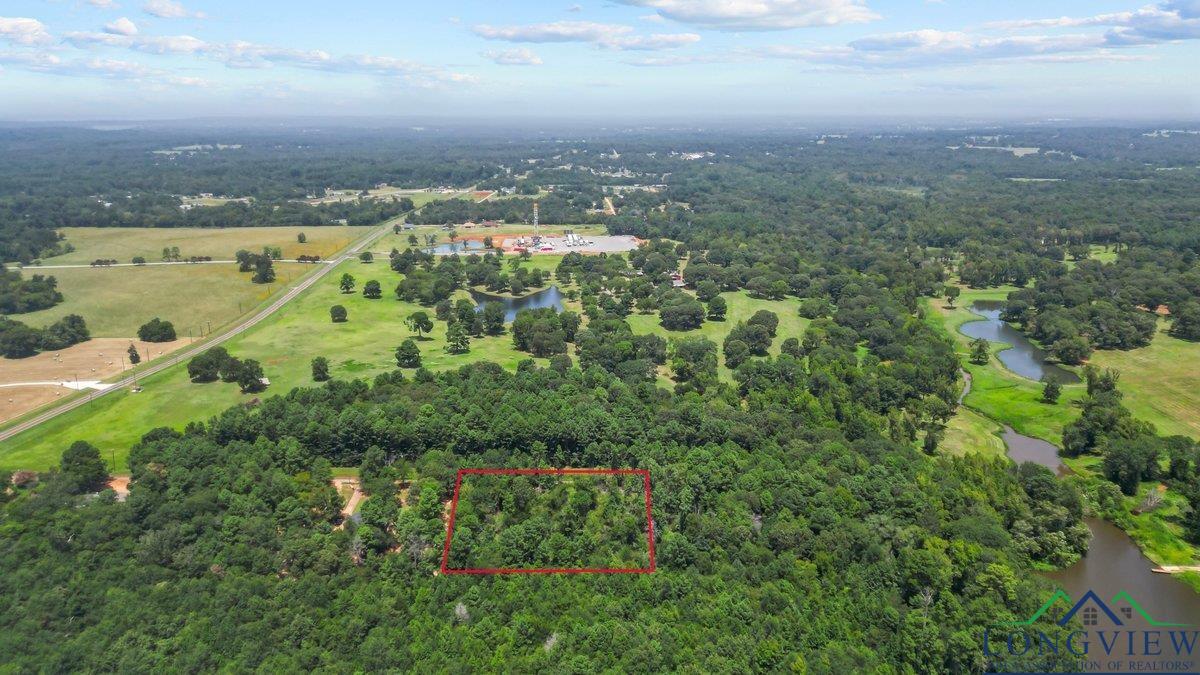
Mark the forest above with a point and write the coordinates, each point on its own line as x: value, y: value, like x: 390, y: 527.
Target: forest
x: 806, y: 517
x: 579, y: 521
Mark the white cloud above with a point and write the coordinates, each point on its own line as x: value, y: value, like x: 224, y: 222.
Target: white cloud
x: 1163, y: 22
x: 114, y: 69
x: 513, y: 57
x: 559, y: 31
x: 103, y: 4
x: 691, y: 59
x: 760, y: 15
x: 168, y: 9
x: 932, y: 48
x: 241, y: 54
x: 121, y: 26
x: 606, y: 35
x: 1170, y: 21
x: 30, y: 60
x: 23, y: 31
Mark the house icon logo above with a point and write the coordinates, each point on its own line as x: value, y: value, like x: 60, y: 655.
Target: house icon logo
x: 1092, y: 611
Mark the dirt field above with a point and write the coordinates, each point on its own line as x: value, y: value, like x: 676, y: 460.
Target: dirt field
x: 16, y: 401
x: 49, y: 376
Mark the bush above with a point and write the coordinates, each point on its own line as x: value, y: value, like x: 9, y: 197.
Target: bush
x: 337, y: 313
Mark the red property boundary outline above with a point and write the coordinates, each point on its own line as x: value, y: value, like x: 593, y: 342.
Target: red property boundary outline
x: 644, y: 473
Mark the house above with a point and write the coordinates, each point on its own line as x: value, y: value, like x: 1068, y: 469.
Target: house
x: 491, y: 223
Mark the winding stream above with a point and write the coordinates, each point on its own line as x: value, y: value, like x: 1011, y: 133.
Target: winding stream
x: 1023, y: 357
x: 1113, y: 562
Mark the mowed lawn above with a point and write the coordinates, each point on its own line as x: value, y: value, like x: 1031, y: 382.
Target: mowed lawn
x: 740, y: 308
x: 115, y: 301
x: 123, y: 243
x: 1161, y: 382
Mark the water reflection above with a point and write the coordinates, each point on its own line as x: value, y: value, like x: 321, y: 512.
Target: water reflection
x: 1023, y: 358
x: 550, y: 297
x: 456, y: 247
x: 1113, y: 562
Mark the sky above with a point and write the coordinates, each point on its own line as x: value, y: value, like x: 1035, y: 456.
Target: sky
x: 600, y: 59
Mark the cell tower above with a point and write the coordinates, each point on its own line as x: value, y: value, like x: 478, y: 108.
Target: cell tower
x: 536, y: 231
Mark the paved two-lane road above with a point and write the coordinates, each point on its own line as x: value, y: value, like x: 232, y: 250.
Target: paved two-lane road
x: 192, y: 351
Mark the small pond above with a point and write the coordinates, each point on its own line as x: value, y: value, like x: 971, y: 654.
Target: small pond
x: 550, y: 297
x: 456, y: 247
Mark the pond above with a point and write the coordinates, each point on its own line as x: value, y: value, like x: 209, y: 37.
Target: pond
x: 1113, y: 562
x: 1023, y: 358
x: 550, y: 297
x: 456, y: 247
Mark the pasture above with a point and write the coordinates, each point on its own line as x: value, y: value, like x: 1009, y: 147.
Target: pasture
x: 123, y: 243
x: 740, y: 308
x: 115, y: 301
x: 27, y: 384
x: 1159, y: 382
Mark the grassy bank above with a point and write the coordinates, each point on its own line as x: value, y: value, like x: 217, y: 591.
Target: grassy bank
x: 998, y: 395
x: 997, y: 392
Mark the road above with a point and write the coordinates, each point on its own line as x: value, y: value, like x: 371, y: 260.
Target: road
x: 189, y: 352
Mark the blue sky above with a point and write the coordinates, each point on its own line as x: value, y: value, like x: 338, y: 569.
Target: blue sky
x: 123, y: 59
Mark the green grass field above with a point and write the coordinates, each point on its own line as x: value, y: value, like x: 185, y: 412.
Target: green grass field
x: 1160, y: 382
x: 741, y: 307
x: 971, y: 433
x: 1098, y: 252
x: 1155, y: 382
x: 123, y: 243
x: 285, y: 344
x: 997, y: 392
x: 115, y: 301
